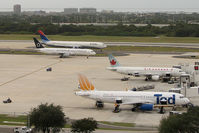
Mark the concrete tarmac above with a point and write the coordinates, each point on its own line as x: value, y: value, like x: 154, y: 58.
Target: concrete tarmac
x: 25, y: 80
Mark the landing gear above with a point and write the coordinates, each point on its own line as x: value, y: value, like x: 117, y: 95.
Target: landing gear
x: 117, y: 109
x: 135, y: 107
x: 166, y: 79
x: 99, y: 104
x: 174, y: 108
x: 148, y: 78
x: 189, y: 105
x: 61, y: 56
x: 162, y: 111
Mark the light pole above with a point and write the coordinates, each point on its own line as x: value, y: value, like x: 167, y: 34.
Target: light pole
x: 28, y: 119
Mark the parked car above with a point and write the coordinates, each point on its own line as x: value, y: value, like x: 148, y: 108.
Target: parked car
x: 22, y: 130
x: 175, y: 113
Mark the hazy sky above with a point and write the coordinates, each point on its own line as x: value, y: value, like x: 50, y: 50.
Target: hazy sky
x: 131, y: 5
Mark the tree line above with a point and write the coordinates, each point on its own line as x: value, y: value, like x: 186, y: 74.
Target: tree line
x: 115, y: 17
x: 177, y: 30
x: 51, y: 118
x: 183, y: 123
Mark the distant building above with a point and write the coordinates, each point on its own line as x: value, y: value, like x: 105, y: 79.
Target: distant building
x: 17, y: 9
x: 6, y: 13
x: 88, y: 10
x: 107, y: 11
x: 55, y: 13
x: 70, y: 10
x: 31, y: 13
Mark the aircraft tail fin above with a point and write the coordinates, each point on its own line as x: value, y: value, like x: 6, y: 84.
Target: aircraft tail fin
x: 43, y: 36
x: 113, y: 61
x: 37, y: 43
x: 85, y: 84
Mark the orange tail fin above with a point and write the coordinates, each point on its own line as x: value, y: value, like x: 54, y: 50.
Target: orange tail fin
x: 85, y: 84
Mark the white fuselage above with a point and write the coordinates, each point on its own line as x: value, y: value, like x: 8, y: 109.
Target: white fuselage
x: 147, y: 71
x: 133, y: 97
x: 72, y: 44
x: 67, y: 51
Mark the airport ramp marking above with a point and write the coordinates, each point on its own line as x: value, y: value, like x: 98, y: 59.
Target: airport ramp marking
x: 25, y: 75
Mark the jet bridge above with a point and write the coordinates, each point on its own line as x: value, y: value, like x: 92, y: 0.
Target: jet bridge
x: 192, y: 71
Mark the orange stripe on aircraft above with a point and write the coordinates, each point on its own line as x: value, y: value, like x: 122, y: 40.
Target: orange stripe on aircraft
x: 80, y: 84
x: 85, y: 84
x: 89, y: 84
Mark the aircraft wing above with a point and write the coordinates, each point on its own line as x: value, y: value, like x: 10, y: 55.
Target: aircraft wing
x: 140, y: 101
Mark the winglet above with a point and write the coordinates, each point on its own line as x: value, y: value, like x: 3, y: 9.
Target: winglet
x: 113, y: 61
x: 43, y: 36
x: 85, y: 84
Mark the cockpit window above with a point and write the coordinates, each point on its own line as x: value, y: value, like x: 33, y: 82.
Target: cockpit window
x: 181, y: 96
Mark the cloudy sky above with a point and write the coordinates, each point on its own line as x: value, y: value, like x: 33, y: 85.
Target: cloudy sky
x: 119, y: 5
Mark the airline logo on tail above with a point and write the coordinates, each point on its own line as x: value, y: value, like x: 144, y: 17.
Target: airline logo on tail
x: 43, y: 36
x: 37, y: 43
x: 84, y: 84
x: 113, y: 61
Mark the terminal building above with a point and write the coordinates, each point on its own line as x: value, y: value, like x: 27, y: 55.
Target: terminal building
x: 88, y: 10
x: 70, y: 10
x: 17, y: 9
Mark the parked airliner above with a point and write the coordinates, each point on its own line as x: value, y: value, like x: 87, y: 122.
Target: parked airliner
x: 142, y: 100
x: 70, y: 44
x: 63, y: 52
x: 151, y: 73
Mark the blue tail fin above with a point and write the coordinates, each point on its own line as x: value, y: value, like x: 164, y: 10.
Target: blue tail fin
x: 43, y: 36
x: 113, y: 61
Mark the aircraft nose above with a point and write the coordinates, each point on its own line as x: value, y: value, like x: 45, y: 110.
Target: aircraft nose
x: 93, y: 53
x: 186, y: 100
x: 77, y: 93
x: 104, y: 45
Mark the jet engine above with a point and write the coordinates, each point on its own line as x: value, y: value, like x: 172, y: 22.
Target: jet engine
x: 146, y: 107
x: 99, y: 104
x: 63, y: 55
x: 155, y: 77
x: 118, y: 100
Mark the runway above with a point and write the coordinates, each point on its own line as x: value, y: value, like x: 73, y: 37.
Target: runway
x: 24, y: 44
x: 182, y: 45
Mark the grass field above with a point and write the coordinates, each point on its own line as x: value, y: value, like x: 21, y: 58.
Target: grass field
x: 11, y: 120
x: 118, y: 124
x: 160, y: 39
x: 22, y: 121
